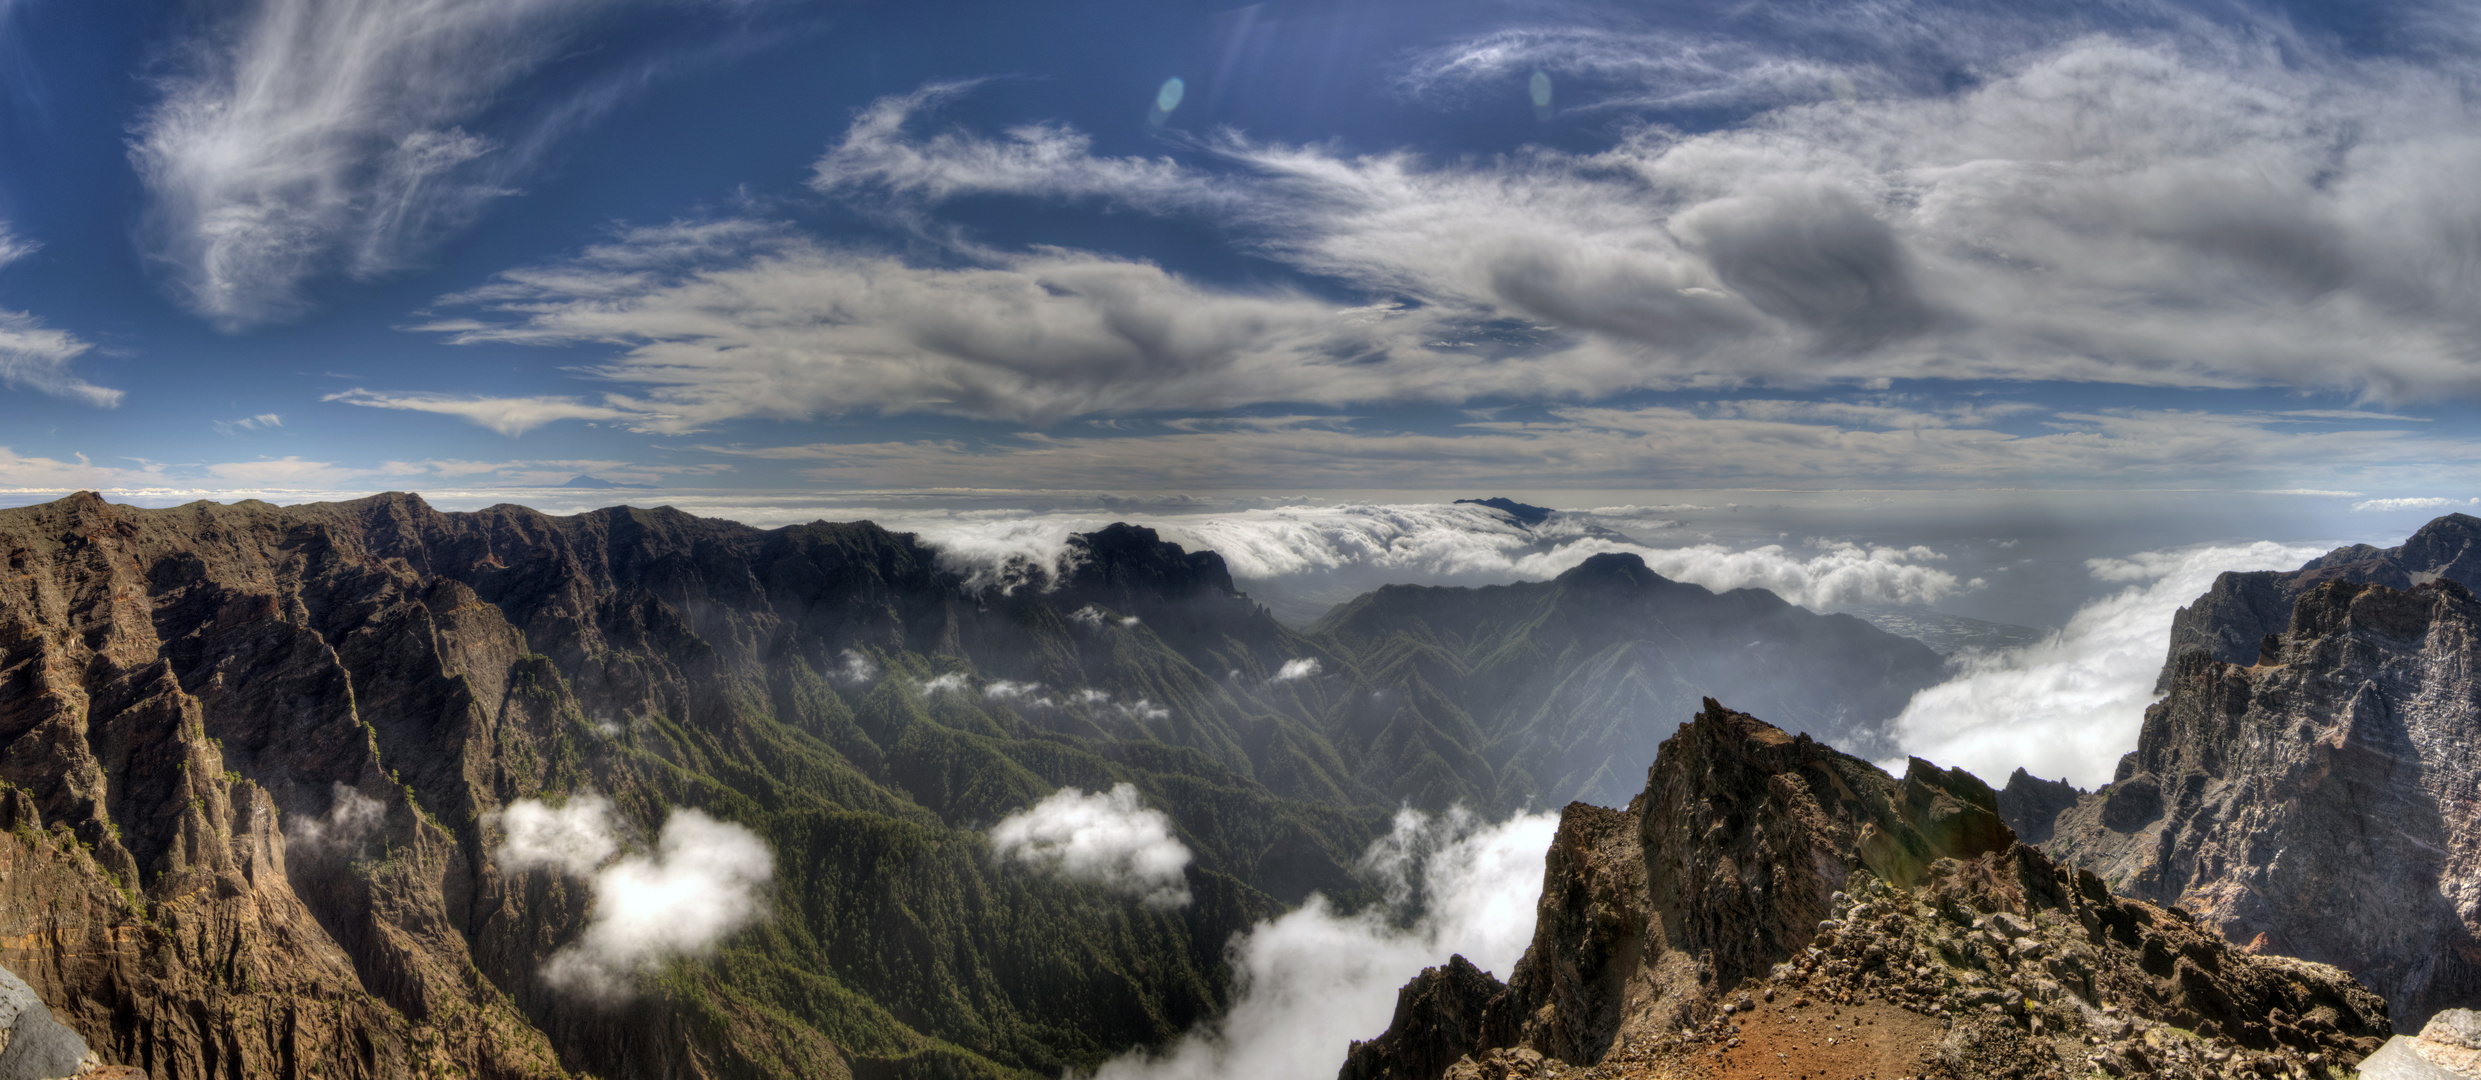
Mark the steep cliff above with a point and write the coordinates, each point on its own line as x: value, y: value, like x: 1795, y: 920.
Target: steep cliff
x: 2324, y: 801
x: 2235, y: 615
x: 1767, y: 897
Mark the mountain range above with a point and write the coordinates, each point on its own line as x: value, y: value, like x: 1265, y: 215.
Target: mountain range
x: 265, y: 769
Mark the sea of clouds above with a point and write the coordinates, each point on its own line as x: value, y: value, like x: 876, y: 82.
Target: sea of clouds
x: 1301, y: 559
x: 1308, y: 983
x: 2071, y: 704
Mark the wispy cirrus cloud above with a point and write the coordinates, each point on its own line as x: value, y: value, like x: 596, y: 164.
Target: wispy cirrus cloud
x: 510, y: 416
x: 296, y: 139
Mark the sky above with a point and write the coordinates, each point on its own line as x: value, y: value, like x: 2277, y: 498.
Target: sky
x: 284, y: 245
x: 1944, y: 304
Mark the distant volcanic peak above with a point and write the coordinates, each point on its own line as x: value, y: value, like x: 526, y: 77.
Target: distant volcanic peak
x: 597, y: 483
x: 1612, y: 566
x: 1524, y: 513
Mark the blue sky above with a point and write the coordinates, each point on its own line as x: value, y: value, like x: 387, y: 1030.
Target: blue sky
x: 284, y: 245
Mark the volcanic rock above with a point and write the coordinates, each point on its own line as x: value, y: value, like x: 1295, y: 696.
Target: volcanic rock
x: 2236, y: 614
x: 1769, y: 906
x: 2322, y: 801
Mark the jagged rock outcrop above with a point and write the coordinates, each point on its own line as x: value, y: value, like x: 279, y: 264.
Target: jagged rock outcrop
x: 2324, y: 801
x: 2240, y: 610
x: 2030, y: 804
x: 1767, y: 896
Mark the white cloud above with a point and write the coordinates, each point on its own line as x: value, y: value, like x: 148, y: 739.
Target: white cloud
x: 574, y: 838
x: 1022, y: 694
x: 1109, y: 839
x: 953, y: 682
x: 311, y: 137
x: 260, y: 422
x: 2099, y: 210
x: 508, y: 416
x: 2389, y: 505
x: 34, y: 356
x: 351, y: 817
x: 1451, y: 542
x: 1308, y: 983
x: 856, y: 669
x: 1142, y: 710
x: 704, y: 880
x: 2071, y: 704
x: 1296, y: 669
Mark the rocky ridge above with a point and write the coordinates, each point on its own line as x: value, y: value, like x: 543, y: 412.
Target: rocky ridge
x: 2241, y: 609
x: 1771, y: 907
x: 2323, y: 801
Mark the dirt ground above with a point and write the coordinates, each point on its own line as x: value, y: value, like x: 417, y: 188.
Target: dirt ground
x: 1785, y: 1040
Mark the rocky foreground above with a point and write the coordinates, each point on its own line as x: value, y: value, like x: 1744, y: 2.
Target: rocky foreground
x: 1769, y: 907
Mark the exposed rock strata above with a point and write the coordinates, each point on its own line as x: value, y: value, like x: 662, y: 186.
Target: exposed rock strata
x: 1767, y: 896
x: 2236, y: 614
x: 2323, y: 802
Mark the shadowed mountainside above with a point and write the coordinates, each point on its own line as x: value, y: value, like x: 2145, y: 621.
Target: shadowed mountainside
x: 254, y: 756
x: 1560, y: 680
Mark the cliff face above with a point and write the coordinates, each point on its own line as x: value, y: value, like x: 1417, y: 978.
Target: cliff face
x: 2323, y: 802
x: 2234, y: 617
x: 1767, y: 897
x: 250, y: 759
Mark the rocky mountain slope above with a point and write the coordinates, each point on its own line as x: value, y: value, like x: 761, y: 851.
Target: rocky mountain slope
x: 1770, y: 907
x: 1556, y: 679
x: 2324, y: 801
x: 253, y: 762
x: 2236, y: 614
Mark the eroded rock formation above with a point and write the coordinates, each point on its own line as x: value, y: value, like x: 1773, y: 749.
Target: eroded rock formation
x: 2324, y: 801
x: 1768, y: 896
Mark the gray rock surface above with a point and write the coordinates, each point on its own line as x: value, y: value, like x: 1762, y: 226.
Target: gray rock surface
x: 2234, y: 617
x: 2398, y: 1060
x: 33, y: 1045
x: 2448, y: 1048
x: 2324, y: 802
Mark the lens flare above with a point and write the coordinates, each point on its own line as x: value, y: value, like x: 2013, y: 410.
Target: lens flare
x: 1168, y: 98
x: 1539, y: 88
